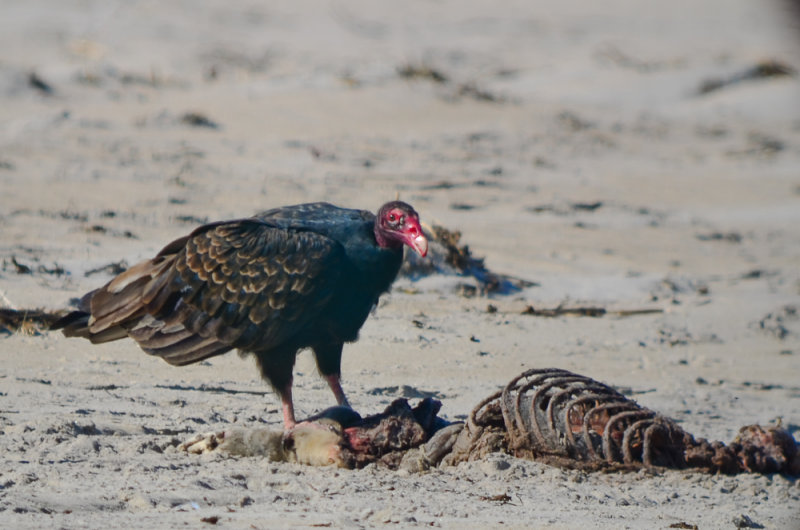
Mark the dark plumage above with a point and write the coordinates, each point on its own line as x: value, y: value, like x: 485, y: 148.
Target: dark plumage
x: 303, y: 276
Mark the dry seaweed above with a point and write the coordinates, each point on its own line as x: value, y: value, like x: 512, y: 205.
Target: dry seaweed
x: 447, y: 256
x: 27, y: 321
x: 36, y: 81
x: 113, y: 269
x: 197, y: 119
x: 762, y: 70
x: 587, y: 311
x: 22, y: 268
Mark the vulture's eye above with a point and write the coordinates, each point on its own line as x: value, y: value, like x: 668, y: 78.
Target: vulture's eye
x: 392, y: 217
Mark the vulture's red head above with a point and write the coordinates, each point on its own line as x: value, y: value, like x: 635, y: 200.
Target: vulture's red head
x: 397, y: 224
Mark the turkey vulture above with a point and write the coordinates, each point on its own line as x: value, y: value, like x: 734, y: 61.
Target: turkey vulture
x: 303, y: 276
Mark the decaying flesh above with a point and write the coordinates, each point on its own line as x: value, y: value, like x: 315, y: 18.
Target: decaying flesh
x: 549, y: 415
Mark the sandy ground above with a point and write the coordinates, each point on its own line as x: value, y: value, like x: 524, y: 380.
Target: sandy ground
x: 572, y: 145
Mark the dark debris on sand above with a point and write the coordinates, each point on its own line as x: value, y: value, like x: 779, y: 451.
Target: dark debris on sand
x: 763, y: 70
x: 27, y: 321
x: 446, y: 255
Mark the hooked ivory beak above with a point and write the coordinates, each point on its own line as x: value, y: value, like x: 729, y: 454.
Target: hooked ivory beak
x: 420, y: 244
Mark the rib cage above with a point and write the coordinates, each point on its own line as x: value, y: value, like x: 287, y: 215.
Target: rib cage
x: 556, y: 413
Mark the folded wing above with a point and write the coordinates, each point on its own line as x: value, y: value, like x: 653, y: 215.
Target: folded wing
x: 239, y: 284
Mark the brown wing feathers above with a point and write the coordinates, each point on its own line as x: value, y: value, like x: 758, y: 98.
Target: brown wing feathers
x: 241, y: 284
x: 128, y: 295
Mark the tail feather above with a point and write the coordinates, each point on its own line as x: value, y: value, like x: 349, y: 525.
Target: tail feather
x: 121, y: 301
x: 74, y: 324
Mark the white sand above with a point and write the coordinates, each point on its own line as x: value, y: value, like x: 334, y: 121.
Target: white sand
x: 598, y: 102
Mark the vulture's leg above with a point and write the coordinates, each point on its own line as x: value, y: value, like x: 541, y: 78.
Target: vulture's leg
x: 329, y: 362
x: 276, y: 367
x: 336, y: 388
x: 288, y: 407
